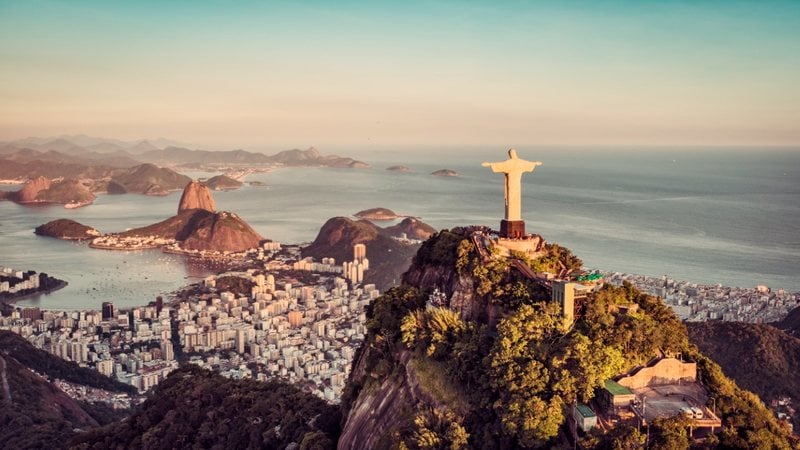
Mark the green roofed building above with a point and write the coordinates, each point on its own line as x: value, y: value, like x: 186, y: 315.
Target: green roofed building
x: 615, y: 395
x: 584, y: 417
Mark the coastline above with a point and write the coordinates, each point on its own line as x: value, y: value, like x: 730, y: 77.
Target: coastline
x: 123, y: 248
x: 11, y: 300
x: 194, y: 254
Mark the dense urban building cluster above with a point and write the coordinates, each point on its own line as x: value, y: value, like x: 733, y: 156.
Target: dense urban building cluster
x: 133, y: 346
x: 13, y: 281
x: 295, y: 332
x: 351, y: 270
x: 286, y: 316
x: 116, y: 242
x: 274, y: 325
x: 698, y: 302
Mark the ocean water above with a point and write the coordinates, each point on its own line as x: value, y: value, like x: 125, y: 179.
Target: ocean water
x: 729, y: 216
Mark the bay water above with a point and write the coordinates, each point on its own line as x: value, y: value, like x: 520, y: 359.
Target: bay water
x: 727, y: 216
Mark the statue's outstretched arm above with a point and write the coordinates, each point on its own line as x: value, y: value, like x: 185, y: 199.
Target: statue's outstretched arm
x: 486, y: 164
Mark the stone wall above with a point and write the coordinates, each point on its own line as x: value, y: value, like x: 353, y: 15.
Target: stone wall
x: 665, y: 371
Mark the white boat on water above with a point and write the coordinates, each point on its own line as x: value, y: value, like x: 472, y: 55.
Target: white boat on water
x: 73, y: 204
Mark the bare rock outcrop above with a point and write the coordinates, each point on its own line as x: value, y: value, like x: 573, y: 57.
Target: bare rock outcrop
x: 31, y: 189
x: 459, y: 291
x: 196, y: 195
x: 373, y: 415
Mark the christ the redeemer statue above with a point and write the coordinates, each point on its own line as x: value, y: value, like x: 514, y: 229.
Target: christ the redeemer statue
x: 513, y: 226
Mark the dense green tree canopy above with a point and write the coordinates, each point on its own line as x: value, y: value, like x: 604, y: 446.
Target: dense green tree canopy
x: 517, y: 375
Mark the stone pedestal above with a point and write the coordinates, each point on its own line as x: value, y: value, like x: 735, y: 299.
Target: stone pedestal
x: 512, y: 229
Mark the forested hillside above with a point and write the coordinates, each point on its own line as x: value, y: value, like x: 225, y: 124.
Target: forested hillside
x: 196, y: 408
x: 501, y: 378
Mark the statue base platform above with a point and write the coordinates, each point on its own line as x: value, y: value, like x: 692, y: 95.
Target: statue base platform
x: 531, y: 245
x: 512, y: 229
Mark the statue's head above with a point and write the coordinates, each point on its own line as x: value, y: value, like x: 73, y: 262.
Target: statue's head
x: 512, y: 153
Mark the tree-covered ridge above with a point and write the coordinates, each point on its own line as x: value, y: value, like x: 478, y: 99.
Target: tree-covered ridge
x: 37, y: 414
x: 791, y: 323
x: 507, y: 384
x: 52, y: 366
x: 196, y: 408
x: 759, y: 357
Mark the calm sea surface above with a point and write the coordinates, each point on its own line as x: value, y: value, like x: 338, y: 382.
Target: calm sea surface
x: 729, y: 217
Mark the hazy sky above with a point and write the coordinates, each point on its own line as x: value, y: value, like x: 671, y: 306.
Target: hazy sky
x: 292, y: 74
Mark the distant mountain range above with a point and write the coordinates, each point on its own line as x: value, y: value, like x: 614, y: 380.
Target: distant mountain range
x: 76, y: 184
x: 295, y: 157
x: 74, y: 155
x: 101, y: 145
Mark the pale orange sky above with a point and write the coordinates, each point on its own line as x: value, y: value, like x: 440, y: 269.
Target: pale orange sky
x: 249, y: 74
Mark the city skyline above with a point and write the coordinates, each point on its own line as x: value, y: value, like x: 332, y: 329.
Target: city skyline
x: 421, y: 73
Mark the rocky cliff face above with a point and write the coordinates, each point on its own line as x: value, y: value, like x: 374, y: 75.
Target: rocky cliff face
x: 458, y: 290
x: 222, y: 232
x: 374, y: 415
x: 31, y: 189
x: 42, y: 190
x: 384, y: 405
x: 196, y: 195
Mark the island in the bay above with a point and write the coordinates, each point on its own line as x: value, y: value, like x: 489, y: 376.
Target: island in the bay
x: 445, y: 173
x: 66, y: 229
x: 377, y: 214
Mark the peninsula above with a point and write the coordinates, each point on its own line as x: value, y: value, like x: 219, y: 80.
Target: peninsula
x: 197, y: 230
x: 17, y: 284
